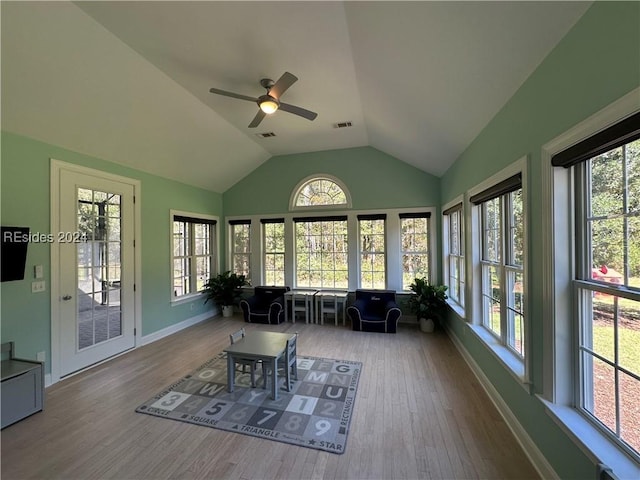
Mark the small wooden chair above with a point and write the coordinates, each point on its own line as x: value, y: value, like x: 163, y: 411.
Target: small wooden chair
x: 244, y: 362
x: 290, y: 367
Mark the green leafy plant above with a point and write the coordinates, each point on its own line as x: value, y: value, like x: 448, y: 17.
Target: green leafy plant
x: 225, y: 288
x: 428, y: 301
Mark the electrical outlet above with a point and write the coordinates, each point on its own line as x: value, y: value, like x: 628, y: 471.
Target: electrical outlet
x: 39, y: 286
x: 41, y: 356
x: 38, y: 271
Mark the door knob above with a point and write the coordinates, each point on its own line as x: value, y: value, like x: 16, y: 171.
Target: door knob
x: 66, y: 297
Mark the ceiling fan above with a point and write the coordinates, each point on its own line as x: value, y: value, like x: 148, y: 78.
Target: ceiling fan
x: 270, y: 102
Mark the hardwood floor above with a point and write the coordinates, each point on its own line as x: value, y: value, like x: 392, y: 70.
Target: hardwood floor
x: 419, y: 413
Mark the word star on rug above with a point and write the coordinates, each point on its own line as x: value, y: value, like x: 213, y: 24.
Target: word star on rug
x: 316, y: 413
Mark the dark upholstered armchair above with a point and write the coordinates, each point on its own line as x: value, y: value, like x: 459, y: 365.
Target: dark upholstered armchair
x: 266, y: 305
x: 375, y: 311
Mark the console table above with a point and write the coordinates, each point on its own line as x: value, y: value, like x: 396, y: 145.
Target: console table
x: 22, y: 386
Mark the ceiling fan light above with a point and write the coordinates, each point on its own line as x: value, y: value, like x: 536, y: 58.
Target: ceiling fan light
x: 268, y: 105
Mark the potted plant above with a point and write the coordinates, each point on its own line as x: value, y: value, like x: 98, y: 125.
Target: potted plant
x: 224, y: 289
x: 428, y: 302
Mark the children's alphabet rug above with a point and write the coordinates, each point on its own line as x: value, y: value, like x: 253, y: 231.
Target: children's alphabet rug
x: 316, y: 413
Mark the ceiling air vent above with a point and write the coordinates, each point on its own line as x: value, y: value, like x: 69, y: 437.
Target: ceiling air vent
x: 266, y: 134
x: 342, y: 125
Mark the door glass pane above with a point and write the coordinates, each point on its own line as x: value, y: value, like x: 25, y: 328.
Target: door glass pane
x: 98, y: 271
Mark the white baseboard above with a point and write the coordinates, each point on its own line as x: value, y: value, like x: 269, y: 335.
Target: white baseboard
x: 165, y: 332
x: 47, y: 380
x: 531, y: 450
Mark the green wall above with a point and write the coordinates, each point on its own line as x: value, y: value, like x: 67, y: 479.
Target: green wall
x: 596, y: 63
x: 374, y: 179
x: 26, y: 202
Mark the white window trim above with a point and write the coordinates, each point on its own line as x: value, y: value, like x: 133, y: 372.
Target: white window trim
x: 518, y: 368
x: 558, y: 274
x: 318, y: 176
x: 457, y: 307
x: 216, y: 261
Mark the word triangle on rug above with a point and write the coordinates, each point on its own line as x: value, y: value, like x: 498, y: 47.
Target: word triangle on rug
x: 316, y: 413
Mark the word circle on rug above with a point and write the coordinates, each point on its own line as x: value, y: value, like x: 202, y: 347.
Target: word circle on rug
x: 316, y: 413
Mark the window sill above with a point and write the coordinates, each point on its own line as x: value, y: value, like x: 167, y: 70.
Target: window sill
x: 593, y: 443
x: 186, y: 299
x: 513, y: 364
x: 457, y: 309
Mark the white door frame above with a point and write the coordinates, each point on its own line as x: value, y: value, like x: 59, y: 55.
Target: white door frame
x: 57, y: 167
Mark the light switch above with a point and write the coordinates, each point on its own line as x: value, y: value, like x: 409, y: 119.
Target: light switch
x: 39, y: 286
x: 38, y: 271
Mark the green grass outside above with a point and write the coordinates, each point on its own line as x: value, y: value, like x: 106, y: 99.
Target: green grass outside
x: 628, y: 341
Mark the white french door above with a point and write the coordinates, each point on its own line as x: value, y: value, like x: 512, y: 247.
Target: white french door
x: 95, y: 298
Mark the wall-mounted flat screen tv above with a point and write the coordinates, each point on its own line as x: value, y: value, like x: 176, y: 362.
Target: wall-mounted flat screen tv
x: 13, y: 256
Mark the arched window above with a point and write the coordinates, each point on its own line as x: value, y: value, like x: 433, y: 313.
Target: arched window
x: 320, y: 190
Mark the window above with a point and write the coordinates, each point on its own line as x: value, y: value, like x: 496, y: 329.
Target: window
x: 320, y: 191
x: 372, y: 251
x: 606, y: 280
x: 502, y: 262
x: 241, y: 248
x: 193, y: 253
x: 321, y: 252
x: 453, y: 227
x: 414, y: 228
x: 274, y: 251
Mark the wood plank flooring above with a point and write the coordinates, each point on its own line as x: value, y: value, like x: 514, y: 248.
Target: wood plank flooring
x: 419, y: 414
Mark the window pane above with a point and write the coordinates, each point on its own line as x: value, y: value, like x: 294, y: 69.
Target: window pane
x: 607, y: 183
x: 607, y: 249
x: 492, y: 227
x: 601, y: 401
x: 598, y: 335
x: 629, y: 337
x: 633, y: 246
x: 517, y: 228
x: 491, y: 292
x: 630, y: 411
x: 633, y: 176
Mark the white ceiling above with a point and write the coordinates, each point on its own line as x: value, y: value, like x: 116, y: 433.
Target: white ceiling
x: 129, y: 81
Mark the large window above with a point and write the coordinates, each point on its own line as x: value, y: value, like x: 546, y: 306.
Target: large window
x: 321, y: 252
x: 606, y: 281
x: 372, y: 251
x: 241, y: 248
x: 193, y: 253
x: 414, y: 231
x: 274, y: 251
x: 502, y: 262
x: 453, y: 227
x: 330, y: 246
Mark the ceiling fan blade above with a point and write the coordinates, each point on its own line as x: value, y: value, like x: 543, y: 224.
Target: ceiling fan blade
x: 257, y: 119
x: 233, y: 95
x: 308, y: 114
x: 284, y: 82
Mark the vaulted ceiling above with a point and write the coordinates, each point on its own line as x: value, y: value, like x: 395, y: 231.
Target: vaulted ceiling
x: 129, y: 82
